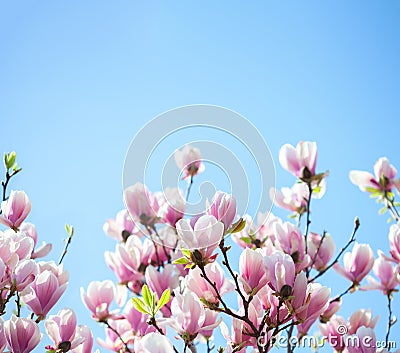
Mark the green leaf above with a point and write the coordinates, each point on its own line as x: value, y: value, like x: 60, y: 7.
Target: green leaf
x: 69, y: 229
x: 237, y: 226
x: 187, y: 253
x: 9, y: 159
x: 146, y: 295
x: 247, y: 240
x: 382, y: 210
x: 165, y: 297
x: 140, y: 305
x: 181, y: 261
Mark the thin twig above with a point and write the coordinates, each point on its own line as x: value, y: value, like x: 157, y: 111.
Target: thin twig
x: 189, y: 188
x: 351, y: 240
x: 69, y: 240
x: 337, y: 298
x: 119, y: 336
x: 390, y: 320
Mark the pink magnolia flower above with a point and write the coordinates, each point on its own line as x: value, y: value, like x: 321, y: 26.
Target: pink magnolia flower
x: 160, y: 281
x: 292, y: 199
x: 331, y: 310
x: 300, y: 158
x: 223, y: 208
x: 197, y: 284
x: 3, y: 341
x: 113, y: 341
x: 252, y: 272
x: 360, y: 318
x: 315, y: 302
x: 188, y: 160
x: 382, y: 181
x: 29, y: 230
x: 154, y: 342
x: 86, y: 334
x: 47, y: 288
x: 363, y: 341
x: 357, y: 263
x: 388, y: 276
x: 61, y: 329
x: 98, y: 298
x: 280, y: 270
x: 189, y: 316
x: 24, y: 274
x: 394, y: 241
x: 121, y: 227
x: 141, y: 204
x: 204, y: 237
x: 22, y: 335
x: 332, y: 332
x: 15, y: 209
x: 320, y: 250
x: 172, y: 206
x: 137, y: 320
x: 290, y: 240
x: 126, y: 261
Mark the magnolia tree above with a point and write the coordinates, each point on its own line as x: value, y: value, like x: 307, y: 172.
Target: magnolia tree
x: 178, y: 282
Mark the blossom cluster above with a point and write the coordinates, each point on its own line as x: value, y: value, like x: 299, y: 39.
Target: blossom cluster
x: 30, y: 288
x: 178, y: 270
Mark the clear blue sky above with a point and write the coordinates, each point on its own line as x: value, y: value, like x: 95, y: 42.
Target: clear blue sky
x: 79, y: 79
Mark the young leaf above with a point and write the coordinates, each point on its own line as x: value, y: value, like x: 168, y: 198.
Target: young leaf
x: 146, y: 295
x: 237, y: 226
x: 140, y: 305
x: 187, y: 253
x: 181, y: 261
x: 165, y: 297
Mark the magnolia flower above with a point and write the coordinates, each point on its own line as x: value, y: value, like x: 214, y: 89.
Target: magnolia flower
x: 314, y: 303
x: 121, y: 227
x: 223, y: 208
x: 394, y: 241
x: 3, y: 341
x: 204, y: 237
x: 363, y: 341
x: 280, y: 271
x: 61, y: 329
x: 98, y: 298
x: 188, y: 160
x: 120, y: 329
x: 47, y: 288
x: 387, y: 274
x: 126, y: 261
x: 197, y: 284
x: 383, y: 180
x: 332, y: 309
x: 357, y: 263
x: 320, y: 249
x: 360, y: 318
x: 15, y: 209
x: 141, y: 204
x: 300, y: 160
x: 22, y: 335
x: 252, y: 273
x: 289, y: 239
x: 154, y: 342
x: 172, y: 206
x: 189, y: 316
x: 332, y: 332
x: 30, y: 230
x: 87, y: 337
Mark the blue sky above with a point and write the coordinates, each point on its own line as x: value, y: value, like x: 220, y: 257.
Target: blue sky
x: 79, y: 79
